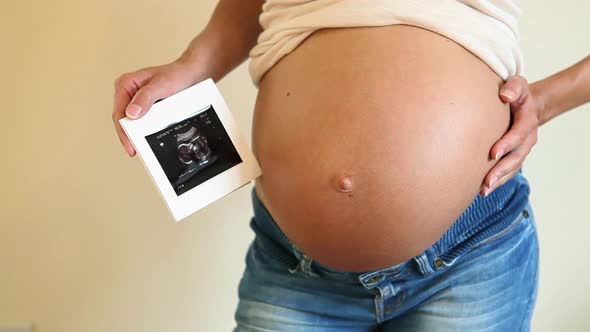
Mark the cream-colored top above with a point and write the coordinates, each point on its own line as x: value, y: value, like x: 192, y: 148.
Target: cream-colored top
x: 489, y: 29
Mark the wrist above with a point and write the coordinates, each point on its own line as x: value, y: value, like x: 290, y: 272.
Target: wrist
x: 198, y: 59
x: 541, y: 98
x: 215, y: 52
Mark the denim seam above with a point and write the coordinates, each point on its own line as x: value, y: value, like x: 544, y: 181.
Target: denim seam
x: 378, y: 301
x: 531, y: 302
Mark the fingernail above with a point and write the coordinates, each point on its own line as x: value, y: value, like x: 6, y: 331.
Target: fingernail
x: 487, y: 191
x: 508, y: 94
x: 493, y: 182
x: 499, y: 154
x: 133, y: 110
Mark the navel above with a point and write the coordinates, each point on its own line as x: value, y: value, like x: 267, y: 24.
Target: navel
x: 344, y: 183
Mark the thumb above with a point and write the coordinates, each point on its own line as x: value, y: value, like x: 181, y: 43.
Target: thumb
x: 514, y: 89
x: 146, y: 97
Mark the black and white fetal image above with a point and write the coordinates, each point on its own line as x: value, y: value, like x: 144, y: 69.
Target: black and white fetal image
x: 194, y: 150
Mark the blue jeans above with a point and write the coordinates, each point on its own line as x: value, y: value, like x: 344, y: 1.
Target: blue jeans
x: 481, y: 275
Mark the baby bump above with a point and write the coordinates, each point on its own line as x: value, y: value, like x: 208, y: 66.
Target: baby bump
x: 373, y: 141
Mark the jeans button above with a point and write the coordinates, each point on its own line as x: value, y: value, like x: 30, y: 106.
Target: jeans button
x: 525, y: 213
x: 438, y: 263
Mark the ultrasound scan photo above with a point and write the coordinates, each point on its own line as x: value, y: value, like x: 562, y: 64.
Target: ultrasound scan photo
x: 194, y: 150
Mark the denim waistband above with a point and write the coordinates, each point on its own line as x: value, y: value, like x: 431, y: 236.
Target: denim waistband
x: 483, y: 217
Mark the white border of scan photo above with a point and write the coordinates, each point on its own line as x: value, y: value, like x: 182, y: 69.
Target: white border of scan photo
x: 174, y: 109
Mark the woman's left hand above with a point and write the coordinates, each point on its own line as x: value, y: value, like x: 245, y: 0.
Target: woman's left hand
x: 512, y: 149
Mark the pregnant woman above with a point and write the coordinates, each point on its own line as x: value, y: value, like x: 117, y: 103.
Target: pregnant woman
x: 373, y: 127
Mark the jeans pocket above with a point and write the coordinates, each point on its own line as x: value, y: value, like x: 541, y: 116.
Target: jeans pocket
x: 505, y: 231
x: 487, y: 235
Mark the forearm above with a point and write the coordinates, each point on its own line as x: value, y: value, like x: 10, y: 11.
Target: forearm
x: 563, y: 91
x: 227, y: 39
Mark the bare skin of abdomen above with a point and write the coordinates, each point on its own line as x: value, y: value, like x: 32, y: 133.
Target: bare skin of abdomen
x: 373, y: 141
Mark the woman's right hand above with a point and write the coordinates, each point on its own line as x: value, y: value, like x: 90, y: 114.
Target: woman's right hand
x: 136, y: 92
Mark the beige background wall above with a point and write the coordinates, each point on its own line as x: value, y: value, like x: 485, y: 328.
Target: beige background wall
x: 87, y: 245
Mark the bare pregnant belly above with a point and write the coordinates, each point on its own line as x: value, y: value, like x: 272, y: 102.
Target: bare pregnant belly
x: 373, y: 141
